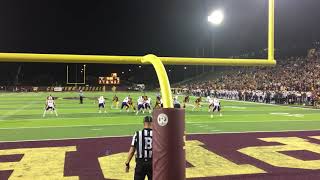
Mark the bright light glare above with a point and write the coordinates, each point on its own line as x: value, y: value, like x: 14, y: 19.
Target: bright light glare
x: 216, y: 17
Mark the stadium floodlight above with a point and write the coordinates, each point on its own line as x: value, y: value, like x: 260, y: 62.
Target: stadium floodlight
x: 216, y: 17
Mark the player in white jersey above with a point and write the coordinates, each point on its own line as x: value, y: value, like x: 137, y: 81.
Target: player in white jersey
x: 140, y: 105
x: 210, y: 100
x: 101, y: 102
x: 176, y: 103
x: 125, y: 103
x: 216, y: 106
x: 50, y: 106
x: 147, y: 104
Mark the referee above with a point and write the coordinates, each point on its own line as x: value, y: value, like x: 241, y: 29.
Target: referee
x: 81, y: 96
x: 142, y: 143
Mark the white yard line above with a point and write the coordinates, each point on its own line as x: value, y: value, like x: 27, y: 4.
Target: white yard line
x: 264, y: 104
x: 7, y: 94
x: 11, y: 113
x: 262, y: 121
x: 240, y: 132
x: 66, y: 118
x: 102, y: 117
x: 199, y: 124
x: 215, y: 132
x: 49, y: 127
x: 63, y: 139
x: 96, y: 129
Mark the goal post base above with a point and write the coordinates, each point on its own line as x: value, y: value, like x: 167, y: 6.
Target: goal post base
x: 169, y: 158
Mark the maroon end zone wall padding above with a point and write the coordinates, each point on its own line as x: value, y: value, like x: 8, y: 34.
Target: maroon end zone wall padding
x: 169, y: 161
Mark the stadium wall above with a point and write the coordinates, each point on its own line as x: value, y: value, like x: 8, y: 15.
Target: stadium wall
x: 59, y: 88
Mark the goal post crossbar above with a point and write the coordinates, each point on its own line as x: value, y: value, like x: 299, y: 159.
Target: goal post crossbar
x: 102, y: 59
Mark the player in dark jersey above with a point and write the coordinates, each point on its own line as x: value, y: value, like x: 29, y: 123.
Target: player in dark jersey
x: 197, y: 103
x: 185, y: 101
x: 131, y: 105
x: 115, y: 102
x: 158, y: 102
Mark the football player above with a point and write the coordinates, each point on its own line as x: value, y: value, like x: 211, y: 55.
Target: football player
x: 147, y: 103
x: 176, y: 103
x: 50, y: 106
x: 131, y: 105
x: 210, y: 100
x: 115, y: 102
x: 125, y: 103
x: 216, y: 106
x: 101, y: 105
x: 197, y: 103
x: 158, y: 102
x: 141, y: 107
x: 185, y: 101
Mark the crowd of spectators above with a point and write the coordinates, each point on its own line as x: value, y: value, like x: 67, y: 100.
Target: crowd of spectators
x: 295, y: 80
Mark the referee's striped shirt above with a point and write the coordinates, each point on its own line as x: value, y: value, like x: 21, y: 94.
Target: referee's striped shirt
x: 142, y: 141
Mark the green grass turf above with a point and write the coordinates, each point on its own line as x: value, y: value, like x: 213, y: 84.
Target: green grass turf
x: 21, y: 117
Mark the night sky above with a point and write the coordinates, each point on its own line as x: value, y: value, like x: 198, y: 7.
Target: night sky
x: 162, y: 27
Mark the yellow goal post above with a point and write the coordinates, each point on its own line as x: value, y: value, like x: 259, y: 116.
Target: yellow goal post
x: 157, y: 62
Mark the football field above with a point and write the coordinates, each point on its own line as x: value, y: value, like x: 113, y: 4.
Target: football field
x: 21, y: 117
x: 251, y: 140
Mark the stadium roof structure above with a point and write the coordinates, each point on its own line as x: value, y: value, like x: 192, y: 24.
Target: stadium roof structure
x: 157, y: 62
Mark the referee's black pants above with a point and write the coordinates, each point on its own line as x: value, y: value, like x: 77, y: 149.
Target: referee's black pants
x: 143, y: 169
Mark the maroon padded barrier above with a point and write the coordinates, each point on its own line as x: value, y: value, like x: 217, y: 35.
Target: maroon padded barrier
x: 169, y: 161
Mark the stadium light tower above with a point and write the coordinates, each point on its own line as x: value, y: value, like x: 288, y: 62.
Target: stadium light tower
x: 216, y: 17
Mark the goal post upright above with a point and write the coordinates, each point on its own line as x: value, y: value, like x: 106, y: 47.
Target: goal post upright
x: 163, y: 79
x: 271, y: 18
x: 76, y: 83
